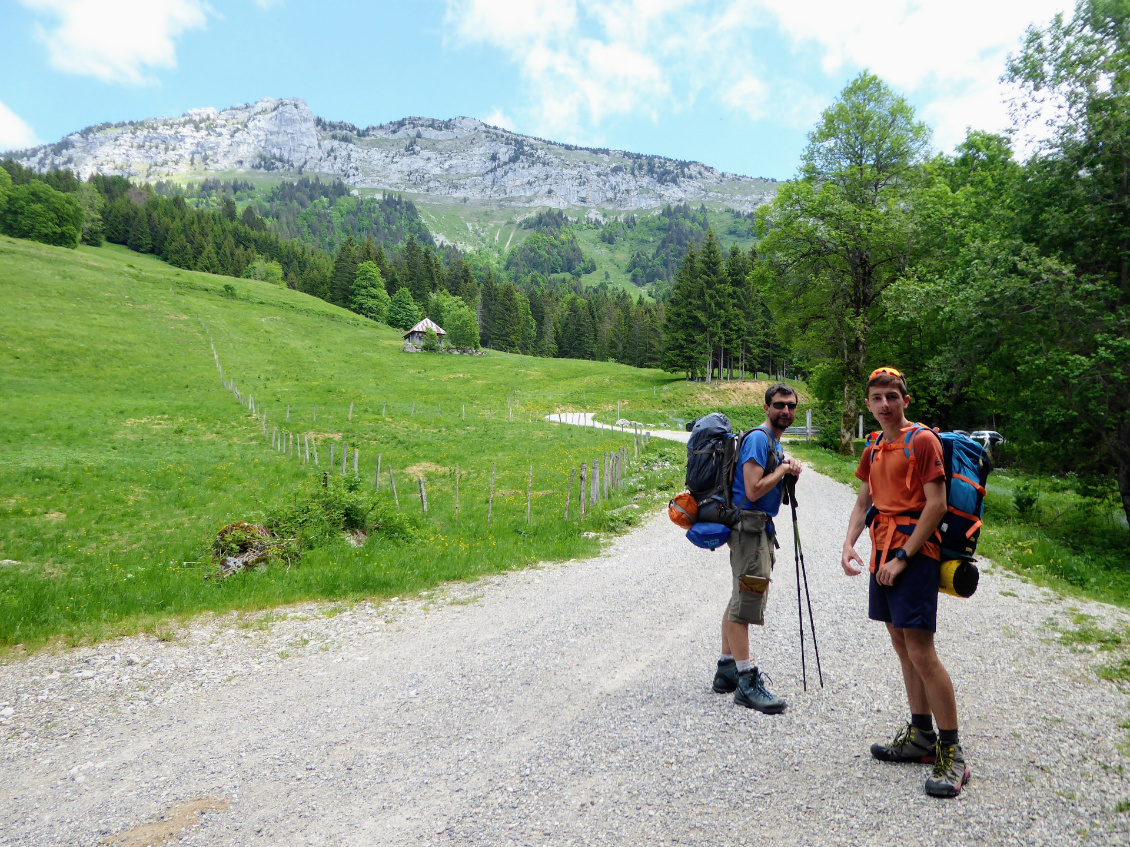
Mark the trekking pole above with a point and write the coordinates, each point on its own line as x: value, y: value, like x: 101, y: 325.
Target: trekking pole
x: 790, y: 487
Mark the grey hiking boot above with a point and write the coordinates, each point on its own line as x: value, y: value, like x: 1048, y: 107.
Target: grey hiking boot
x: 910, y: 745
x: 950, y: 772
x: 752, y: 693
x: 726, y: 677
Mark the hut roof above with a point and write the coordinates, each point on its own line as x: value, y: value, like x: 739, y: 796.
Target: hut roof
x: 424, y: 326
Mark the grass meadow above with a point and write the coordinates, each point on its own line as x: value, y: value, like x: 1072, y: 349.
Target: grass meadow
x: 123, y: 454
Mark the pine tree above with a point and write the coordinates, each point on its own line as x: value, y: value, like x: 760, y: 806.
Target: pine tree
x: 684, y: 331
x: 485, y: 313
x: 344, y: 272
x: 506, y: 328
x: 368, y: 296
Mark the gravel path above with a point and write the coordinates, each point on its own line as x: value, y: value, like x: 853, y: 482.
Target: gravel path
x: 567, y: 704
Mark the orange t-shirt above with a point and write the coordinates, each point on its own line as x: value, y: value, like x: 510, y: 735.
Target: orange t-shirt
x: 888, y: 476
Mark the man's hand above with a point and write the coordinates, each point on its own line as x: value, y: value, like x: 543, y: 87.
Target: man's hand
x: 889, y: 571
x: 791, y: 466
x: 848, y: 559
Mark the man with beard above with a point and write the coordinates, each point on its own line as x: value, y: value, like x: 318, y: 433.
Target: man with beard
x: 757, y: 493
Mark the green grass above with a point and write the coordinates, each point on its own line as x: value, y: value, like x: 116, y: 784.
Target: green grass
x: 123, y: 454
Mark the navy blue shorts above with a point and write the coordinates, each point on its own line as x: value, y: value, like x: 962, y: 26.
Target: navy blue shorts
x: 912, y: 602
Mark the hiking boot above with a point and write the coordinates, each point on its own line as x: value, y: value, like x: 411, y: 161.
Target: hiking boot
x: 726, y: 677
x: 752, y: 694
x: 950, y: 772
x: 910, y: 745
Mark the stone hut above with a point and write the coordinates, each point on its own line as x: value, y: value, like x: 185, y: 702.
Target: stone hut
x: 414, y: 338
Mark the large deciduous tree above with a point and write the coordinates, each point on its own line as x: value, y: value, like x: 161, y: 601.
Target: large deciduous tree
x: 37, y: 211
x: 1076, y: 209
x: 843, y: 231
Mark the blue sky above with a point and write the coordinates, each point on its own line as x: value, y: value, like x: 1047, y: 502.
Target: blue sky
x: 736, y: 84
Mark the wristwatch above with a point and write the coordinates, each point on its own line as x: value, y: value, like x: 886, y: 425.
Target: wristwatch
x: 901, y: 555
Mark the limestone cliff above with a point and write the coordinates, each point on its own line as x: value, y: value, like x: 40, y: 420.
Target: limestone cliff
x: 461, y: 159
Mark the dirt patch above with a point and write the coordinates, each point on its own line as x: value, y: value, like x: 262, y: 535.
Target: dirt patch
x: 55, y: 516
x: 735, y: 394
x: 159, y: 422
x: 455, y: 376
x: 425, y: 468
x: 168, y: 826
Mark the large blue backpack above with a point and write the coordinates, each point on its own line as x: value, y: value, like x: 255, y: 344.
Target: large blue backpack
x: 967, y: 467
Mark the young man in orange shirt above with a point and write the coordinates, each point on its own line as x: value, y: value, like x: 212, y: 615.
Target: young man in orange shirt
x: 906, y: 483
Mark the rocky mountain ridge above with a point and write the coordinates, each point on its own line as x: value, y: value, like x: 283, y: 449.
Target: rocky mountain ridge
x: 460, y: 160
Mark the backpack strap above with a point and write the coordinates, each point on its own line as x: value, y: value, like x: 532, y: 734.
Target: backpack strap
x: 771, y: 461
x: 906, y: 444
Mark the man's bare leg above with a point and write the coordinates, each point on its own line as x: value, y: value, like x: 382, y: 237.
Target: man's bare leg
x: 932, y: 675
x: 735, y: 638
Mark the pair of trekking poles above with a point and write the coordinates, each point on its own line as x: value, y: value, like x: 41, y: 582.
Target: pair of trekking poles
x: 802, y: 573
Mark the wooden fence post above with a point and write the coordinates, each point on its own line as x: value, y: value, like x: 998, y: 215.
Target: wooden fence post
x: 315, y: 443
x: 288, y: 411
x: 355, y: 457
x: 529, y: 493
x: 457, y: 494
x: 464, y: 411
x: 392, y: 482
x: 569, y: 493
x: 490, y: 502
x: 344, y: 456
x: 581, y: 490
x: 331, y: 455
x: 384, y: 405
x: 377, y: 477
x: 423, y: 495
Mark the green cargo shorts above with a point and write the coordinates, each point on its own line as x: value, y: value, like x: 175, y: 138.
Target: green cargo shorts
x: 751, y: 554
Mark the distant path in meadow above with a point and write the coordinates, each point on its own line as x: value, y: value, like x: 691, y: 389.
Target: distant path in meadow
x: 588, y: 419
x: 565, y: 704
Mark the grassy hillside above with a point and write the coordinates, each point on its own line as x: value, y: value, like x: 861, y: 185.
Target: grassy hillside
x: 123, y: 454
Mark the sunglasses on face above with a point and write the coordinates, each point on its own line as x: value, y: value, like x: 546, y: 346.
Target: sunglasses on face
x: 781, y: 404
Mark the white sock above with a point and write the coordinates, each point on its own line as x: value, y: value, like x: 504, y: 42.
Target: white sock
x: 725, y: 657
x: 744, y: 665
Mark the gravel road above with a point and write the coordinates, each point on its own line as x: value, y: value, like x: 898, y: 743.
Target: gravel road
x: 565, y: 704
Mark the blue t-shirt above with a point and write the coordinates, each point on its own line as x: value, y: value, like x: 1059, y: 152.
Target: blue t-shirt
x: 756, y: 447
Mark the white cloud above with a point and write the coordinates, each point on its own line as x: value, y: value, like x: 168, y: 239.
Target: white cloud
x: 15, y: 134
x: 949, y: 54
x: 498, y: 118
x: 116, y: 40
x: 583, y: 61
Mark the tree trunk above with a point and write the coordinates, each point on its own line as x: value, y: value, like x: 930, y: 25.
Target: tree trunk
x: 1121, y: 456
x: 847, y: 422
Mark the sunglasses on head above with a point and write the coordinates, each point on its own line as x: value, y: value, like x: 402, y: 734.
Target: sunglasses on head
x: 781, y: 404
x: 886, y: 370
